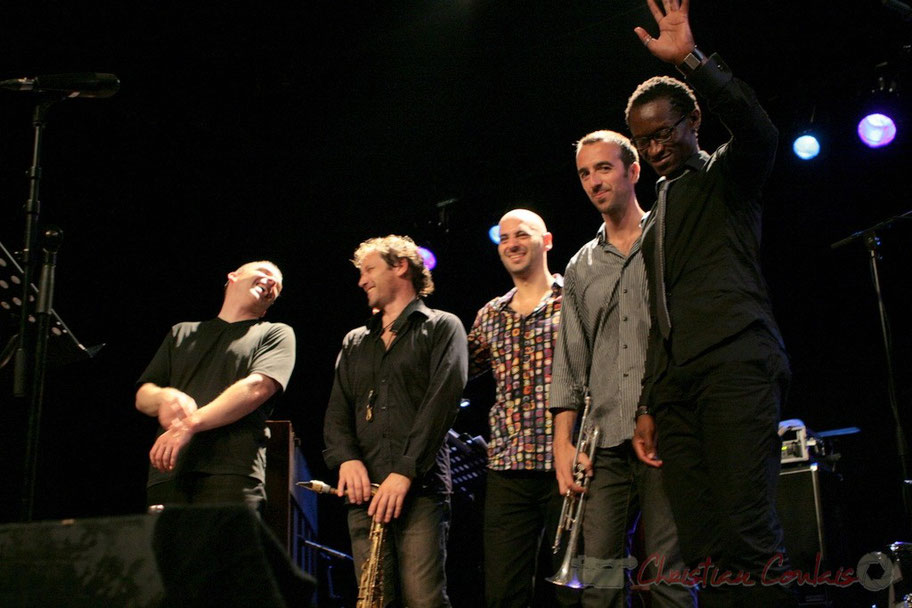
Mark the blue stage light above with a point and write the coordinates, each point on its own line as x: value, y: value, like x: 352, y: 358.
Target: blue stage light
x: 806, y: 146
x: 876, y: 130
x: 430, y: 260
x: 494, y: 234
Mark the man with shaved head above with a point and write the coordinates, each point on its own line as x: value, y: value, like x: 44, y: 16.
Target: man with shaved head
x: 209, y: 385
x: 601, y: 350
x: 513, y: 337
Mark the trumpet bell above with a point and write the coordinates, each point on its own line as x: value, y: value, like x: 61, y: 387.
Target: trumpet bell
x: 569, y: 576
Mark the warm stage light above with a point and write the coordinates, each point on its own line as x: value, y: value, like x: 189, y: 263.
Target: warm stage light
x: 806, y: 146
x: 430, y: 260
x: 876, y: 130
x: 494, y: 234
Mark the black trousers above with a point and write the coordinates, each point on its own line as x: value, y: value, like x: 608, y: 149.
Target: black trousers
x: 203, y: 488
x: 717, y: 419
x: 520, y: 518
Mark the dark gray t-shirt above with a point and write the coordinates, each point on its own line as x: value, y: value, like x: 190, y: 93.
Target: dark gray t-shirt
x: 202, y: 359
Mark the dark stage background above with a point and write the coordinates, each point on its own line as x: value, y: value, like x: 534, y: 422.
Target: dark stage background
x: 292, y: 131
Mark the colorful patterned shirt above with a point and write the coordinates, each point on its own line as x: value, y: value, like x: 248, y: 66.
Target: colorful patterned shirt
x: 518, y: 350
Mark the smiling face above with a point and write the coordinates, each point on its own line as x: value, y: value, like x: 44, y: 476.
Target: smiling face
x: 524, y: 243
x: 255, y: 286
x: 609, y: 184
x: 652, y: 120
x: 379, y: 280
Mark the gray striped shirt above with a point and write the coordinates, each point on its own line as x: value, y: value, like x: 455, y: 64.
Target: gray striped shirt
x: 603, y: 335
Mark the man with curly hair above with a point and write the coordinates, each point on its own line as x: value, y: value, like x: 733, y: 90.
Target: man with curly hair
x: 398, y: 382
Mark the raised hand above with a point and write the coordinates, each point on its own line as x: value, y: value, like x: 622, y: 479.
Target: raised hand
x: 675, y: 39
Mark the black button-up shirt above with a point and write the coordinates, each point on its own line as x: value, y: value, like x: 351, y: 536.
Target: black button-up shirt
x: 713, y: 281
x: 413, y: 389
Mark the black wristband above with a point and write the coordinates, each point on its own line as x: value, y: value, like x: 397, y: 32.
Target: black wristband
x: 642, y: 410
x: 693, y: 60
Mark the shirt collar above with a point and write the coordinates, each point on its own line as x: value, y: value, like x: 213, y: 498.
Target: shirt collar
x: 601, y: 231
x: 557, y: 284
x: 415, y: 307
x: 696, y: 162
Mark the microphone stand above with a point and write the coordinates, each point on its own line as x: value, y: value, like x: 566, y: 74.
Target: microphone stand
x: 32, y: 211
x: 28, y: 379
x: 872, y: 243
x: 44, y: 310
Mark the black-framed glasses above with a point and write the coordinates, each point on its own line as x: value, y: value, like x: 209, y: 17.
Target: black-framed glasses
x: 660, y: 136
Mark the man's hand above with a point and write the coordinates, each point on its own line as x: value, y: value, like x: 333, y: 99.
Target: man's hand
x: 675, y: 39
x: 563, y: 451
x: 174, y: 405
x: 354, y: 482
x: 563, y: 467
x: 644, y: 440
x: 390, y: 496
x: 164, y: 452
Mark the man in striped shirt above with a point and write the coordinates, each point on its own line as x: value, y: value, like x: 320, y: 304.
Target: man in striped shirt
x: 602, y: 348
x: 513, y: 337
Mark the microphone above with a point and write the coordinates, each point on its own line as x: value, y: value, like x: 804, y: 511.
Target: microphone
x: 87, y: 84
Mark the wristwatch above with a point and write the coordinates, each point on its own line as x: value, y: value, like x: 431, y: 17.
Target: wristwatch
x: 693, y: 60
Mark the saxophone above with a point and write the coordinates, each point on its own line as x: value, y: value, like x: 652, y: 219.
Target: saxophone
x: 370, y: 585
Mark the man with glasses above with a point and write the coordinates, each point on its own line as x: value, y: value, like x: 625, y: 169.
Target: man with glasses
x: 716, y: 369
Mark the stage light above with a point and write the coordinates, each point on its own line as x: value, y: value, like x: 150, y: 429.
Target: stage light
x: 494, y: 234
x: 806, y: 146
x: 876, y: 130
x: 882, y: 106
x: 430, y: 260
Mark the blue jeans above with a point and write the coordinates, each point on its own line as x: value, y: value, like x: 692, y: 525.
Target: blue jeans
x: 414, y: 559
x: 622, y: 491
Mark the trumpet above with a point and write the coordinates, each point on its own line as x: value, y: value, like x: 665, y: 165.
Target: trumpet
x: 573, y: 508
x: 370, y: 585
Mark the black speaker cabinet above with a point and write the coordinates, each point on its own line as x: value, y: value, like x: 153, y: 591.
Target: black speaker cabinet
x: 183, y: 556
x: 90, y: 562
x: 809, y: 510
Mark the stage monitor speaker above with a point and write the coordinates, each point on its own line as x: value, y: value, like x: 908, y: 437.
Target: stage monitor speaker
x: 184, y: 556
x: 90, y: 562
x: 809, y: 510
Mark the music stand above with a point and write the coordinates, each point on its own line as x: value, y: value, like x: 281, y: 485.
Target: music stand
x: 63, y: 346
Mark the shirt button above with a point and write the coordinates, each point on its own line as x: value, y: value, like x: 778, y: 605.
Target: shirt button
x: 626, y: 374
x: 625, y: 290
x: 624, y: 318
x: 624, y: 346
